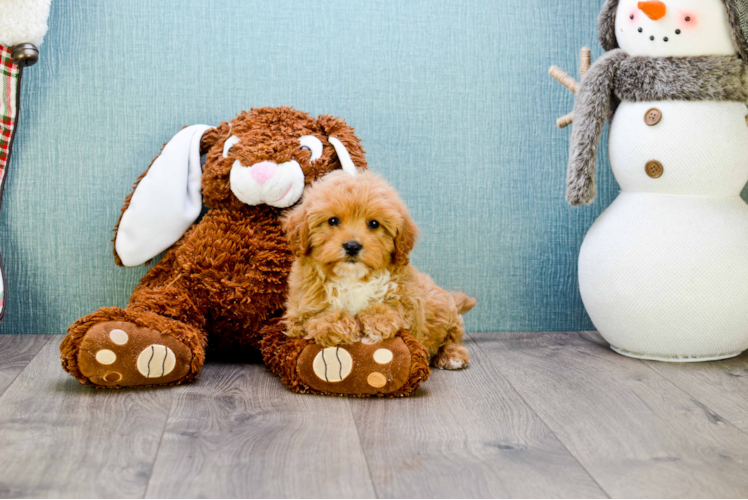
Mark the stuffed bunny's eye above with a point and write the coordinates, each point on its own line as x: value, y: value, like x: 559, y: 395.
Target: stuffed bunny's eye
x: 313, y: 145
x: 229, y: 144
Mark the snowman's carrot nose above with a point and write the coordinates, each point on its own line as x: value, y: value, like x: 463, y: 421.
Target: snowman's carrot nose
x: 654, y: 10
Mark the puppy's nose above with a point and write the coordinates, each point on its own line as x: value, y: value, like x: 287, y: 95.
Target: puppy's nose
x: 352, y: 248
x: 263, y: 171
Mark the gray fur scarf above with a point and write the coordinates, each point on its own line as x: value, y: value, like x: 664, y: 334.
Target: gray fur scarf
x: 617, y: 77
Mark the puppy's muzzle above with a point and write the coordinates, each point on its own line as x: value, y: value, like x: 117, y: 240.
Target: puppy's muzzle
x: 352, y: 248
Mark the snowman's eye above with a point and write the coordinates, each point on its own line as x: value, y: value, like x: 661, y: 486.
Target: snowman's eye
x: 313, y: 145
x: 229, y: 144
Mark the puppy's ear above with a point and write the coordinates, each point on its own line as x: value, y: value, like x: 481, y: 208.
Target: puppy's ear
x: 296, y: 226
x: 213, y: 136
x: 405, y: 239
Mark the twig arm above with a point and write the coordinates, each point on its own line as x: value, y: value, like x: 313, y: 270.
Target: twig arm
x: 585, y: 60
x: 565, y: 120
x: 563, y: 78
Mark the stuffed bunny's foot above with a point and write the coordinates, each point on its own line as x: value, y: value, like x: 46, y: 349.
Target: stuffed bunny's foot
x: 123, y: 354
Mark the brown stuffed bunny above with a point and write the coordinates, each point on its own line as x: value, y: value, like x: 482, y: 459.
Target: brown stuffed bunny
x: 224, y: 278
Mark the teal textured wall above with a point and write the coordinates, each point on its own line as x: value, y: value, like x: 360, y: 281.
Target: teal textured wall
x: 451, y: 99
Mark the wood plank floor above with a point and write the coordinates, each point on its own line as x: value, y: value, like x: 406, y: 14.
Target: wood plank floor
x: 535, y: 415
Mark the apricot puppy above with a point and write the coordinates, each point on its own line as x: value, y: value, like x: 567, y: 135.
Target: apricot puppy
x: 352, y: 281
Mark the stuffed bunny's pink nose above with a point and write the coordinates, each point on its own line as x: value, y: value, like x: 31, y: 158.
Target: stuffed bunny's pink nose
x: 263, y: 171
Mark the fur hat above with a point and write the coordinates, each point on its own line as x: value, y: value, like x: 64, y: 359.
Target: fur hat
x: 737, y: 12
x: 23, y: 21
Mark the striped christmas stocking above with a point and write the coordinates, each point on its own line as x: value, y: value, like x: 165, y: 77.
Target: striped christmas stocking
x: 23, y: 25
x: 10, y: 83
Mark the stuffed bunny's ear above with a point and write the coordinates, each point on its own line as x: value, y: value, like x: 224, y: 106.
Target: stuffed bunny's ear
x: 166, y: 202
x: 345, y: 159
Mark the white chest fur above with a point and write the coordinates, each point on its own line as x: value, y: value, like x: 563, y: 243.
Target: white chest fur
x: 352, y: 295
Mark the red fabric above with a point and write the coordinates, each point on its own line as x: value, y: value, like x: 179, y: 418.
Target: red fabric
x: 9, y: 78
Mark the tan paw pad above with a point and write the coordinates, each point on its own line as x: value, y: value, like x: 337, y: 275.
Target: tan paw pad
x: 383, y: 356
x: 332, y: 364
x: 376, y: 380
x: 118, y: 336
x: 106, y: 357
x: 156, y: 361
x: 113, y: 377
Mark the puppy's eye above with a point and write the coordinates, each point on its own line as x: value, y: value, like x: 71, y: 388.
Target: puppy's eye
x: 334, y: 221
x: 229, y: 144
x: 373, y: 224
x: 313, y: 145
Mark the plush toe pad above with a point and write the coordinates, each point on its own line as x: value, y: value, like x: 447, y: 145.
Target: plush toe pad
x: 121, y: 354
x: 356, y: 369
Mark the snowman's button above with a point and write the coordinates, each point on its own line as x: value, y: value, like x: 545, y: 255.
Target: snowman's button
x: 652, y: 117
x: 654, y: 169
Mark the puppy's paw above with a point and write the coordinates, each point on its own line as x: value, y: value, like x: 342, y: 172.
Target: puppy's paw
x: 294, y: 329
x: 451, y: 357
x: 380, y: 324
x: 333, y: 329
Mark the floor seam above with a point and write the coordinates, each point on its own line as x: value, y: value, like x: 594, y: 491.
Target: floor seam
x: 27, y: 365
x: 723, y: 419
x: 519, y: 394
x: 363, y: 452
x: 160, y: 440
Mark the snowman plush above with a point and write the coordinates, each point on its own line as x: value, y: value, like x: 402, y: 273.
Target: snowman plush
x: 663, y: 272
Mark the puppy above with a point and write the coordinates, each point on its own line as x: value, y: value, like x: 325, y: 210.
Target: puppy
x: 351, y: 280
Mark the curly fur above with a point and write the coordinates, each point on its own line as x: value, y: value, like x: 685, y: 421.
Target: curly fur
x: 389, y: 295
x: 618, y: 77
x: 225, y: 279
